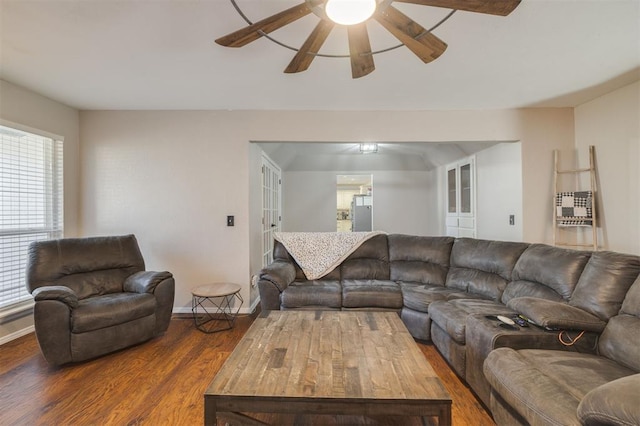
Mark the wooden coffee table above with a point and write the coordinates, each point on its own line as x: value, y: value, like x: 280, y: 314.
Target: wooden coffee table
x: 326, y: 362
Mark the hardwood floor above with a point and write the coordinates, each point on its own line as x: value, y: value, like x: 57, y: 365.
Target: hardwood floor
x: 160, y: 382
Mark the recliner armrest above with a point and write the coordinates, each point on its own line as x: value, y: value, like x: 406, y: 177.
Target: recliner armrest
x: 56, y: 292
x: 280, y: 272
x: 614, y: 403
x: 145, y: 281
x: 556, y: 315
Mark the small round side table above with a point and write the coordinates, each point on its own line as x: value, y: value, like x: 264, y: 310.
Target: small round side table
x: 214, y: 306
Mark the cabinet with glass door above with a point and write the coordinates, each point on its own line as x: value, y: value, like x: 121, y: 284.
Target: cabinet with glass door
x: 461, y: 203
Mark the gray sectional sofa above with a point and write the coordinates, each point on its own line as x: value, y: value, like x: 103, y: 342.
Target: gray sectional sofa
x: 449, y: 291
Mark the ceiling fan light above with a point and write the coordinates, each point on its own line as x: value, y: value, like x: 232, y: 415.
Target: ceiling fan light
x: 349, y: 12
x: 368, y: 148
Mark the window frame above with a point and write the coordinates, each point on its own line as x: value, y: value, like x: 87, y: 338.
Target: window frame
x: 54, y: 185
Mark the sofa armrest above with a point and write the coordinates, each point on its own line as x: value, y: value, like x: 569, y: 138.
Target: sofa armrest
x: 56, y: 292
x: 614, y: 403
x: 280, y: 272
x: 145, y: 281
x: 272, y: 281
x: 556, y: 315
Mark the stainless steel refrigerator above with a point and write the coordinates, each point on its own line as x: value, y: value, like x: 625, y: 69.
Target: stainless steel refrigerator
x: 361, y: 213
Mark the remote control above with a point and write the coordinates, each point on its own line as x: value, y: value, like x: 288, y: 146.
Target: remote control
x: 506, y: 320
x: 521, y: 322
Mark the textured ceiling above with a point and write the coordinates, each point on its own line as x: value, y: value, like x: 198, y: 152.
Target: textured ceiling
x: 160, y: 54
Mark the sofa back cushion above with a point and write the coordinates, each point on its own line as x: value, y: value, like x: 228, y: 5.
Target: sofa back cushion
x: 88, y: 266
x: 370, y: 261
x: 419, y: 259
x: 546, y: 272
x: 483, y: 267
x: 281, y: 253
x: 619, y: 340
x: 604, y: 282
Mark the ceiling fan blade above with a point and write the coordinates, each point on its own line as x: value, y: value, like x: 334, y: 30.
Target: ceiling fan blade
x: 424, y: 44
x: 491, y: 7
x: 312, y: 45
x: 360, y: 50
x: 253, y: 32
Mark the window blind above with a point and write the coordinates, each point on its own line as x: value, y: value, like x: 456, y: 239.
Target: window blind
x: 31, y: 197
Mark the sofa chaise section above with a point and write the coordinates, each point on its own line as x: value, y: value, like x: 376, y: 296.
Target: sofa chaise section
x: 576, y: 322
x: 549, y: 387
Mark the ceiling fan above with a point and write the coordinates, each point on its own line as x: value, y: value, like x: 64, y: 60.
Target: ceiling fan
x: 420, y: 41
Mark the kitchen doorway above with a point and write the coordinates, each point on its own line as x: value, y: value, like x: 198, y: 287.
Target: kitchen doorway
x: 354, y: 195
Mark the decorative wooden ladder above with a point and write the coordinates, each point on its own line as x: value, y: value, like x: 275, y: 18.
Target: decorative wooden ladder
x: 584, y: 212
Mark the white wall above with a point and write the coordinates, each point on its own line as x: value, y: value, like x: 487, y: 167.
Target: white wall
x: 499, y: 192
x: 172, y: 177
x: 21, y: 106
x: 400, y: 201
x: 543, y: 131
x: 612, y: 124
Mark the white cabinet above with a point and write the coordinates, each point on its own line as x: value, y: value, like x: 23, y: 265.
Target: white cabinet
x: 461, y: 198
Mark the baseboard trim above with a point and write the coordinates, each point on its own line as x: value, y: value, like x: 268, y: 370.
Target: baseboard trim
x: 244, y: 311
x: 16, y: 334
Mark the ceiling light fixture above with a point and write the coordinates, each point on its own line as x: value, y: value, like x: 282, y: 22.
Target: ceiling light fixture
x: 368, y: 148
x: 350, y: 12
x: 421, y: 41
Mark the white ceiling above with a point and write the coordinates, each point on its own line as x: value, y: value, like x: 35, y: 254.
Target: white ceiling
x: 291, y: 156
x: 160, y: 54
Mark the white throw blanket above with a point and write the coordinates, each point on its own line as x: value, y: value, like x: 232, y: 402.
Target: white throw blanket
x: 318, y: 253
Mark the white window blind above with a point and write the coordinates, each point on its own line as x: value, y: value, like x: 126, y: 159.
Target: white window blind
x: 31, y: 190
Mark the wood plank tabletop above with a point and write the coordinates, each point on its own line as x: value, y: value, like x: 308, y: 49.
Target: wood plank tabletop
x: 340, y: 356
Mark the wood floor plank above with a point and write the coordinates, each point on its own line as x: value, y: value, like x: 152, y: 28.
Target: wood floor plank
x: 162, y: 382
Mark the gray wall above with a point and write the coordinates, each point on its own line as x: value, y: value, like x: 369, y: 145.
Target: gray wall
x: 400, y: 201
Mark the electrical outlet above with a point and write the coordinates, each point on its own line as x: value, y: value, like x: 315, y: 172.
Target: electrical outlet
x: 230, y: 221
x: 512, y: 219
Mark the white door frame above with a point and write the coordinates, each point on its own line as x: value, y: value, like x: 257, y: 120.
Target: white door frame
x: 271, y: 206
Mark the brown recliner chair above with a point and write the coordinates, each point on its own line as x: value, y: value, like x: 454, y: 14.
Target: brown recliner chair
x: 93, y: 296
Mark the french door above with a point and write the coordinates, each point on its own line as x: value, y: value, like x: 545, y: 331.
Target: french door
x: 271, y: 208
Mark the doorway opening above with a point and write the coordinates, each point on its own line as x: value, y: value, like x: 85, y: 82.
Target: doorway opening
x: 354, y: 203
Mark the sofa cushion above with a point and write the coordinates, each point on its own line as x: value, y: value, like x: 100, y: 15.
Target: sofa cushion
x: 614, y: 403
x: 619, y: 340
x: 418, y: 296
x: 371, y: 293
x: 604, y: 282
x: 370, y: 261
x: 419, y: 259
x: 111, y: 309
x: 546, y: 272
x: 318, y: 293
x: 483, y: 267
x: 545, y: 386
x: 451, y: 315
